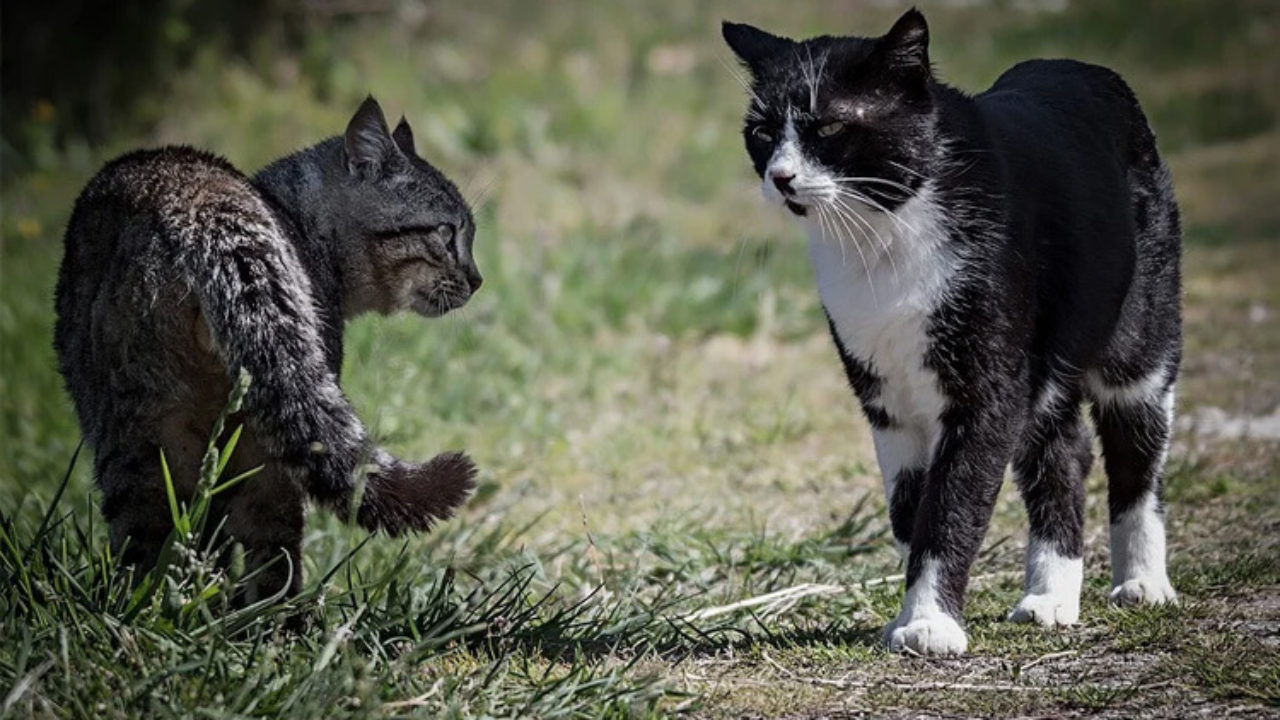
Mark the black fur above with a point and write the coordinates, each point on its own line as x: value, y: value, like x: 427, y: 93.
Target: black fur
x: 179, y: 272
x: 1062, y: 220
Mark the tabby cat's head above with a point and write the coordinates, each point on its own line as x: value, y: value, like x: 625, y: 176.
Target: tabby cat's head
x: 838, y: 119
x: 408, y: 233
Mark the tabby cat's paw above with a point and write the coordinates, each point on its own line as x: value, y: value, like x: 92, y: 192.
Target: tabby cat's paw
x: 1154, y: 590
x: 1048, y: 610
x: 937, y: 634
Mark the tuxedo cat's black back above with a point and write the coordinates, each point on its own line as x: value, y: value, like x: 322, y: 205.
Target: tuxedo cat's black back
x: 1076, y: 168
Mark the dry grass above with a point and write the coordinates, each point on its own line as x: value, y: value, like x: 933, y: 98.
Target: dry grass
x: 664, y: 429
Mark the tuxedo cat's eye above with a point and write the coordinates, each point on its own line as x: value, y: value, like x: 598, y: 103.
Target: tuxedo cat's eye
x: 762, y: 133
x: 830, y: 129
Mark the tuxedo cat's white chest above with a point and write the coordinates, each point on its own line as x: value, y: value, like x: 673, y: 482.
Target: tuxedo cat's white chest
x: 881, y: 306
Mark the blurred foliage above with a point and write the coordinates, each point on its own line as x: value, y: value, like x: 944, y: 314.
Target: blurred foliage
x: 85, y: 69
x: 645, y: 378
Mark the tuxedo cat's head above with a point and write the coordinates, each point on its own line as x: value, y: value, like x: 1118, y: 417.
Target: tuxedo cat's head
x: 839, y: 119
x: 405, y: 231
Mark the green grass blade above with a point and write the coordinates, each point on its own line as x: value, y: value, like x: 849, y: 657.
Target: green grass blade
x: 227, y: 450
x: 174, y: 513
x: 236, y: 480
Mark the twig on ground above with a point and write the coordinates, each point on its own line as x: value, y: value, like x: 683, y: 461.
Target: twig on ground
x: 782, y: 600
x: 418, y: 701
x: 1047, y: 658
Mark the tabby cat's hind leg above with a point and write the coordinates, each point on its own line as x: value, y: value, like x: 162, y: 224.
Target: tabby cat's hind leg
x: 1133, y: 421
x: 1050, y: 469
x: 266, y: 515
x: 135, y: 505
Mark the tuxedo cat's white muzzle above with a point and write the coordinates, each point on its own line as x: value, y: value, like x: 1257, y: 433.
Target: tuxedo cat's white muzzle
x: 790, y: 179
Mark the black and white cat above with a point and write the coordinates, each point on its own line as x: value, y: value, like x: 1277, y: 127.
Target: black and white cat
x: 986, y: 263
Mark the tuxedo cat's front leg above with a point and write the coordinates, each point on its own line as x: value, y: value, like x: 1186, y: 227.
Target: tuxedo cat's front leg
x: 954, y: 508
x: 903, y: 456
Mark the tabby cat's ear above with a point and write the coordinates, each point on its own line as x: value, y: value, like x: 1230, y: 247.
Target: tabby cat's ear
x: 367, y: 142
x: 403, y: 136
x: 752, y: 44
x: 906, y: 45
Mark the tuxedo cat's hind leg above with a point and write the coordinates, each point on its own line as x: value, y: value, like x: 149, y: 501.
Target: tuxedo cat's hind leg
x: 1133, y: 421
x: 1050, y: 469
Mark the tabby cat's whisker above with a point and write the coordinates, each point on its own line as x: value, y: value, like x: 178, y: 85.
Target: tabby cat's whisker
x: 483, y: 196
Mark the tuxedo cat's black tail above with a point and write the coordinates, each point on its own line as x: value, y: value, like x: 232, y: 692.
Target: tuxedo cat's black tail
x: 256, y: 301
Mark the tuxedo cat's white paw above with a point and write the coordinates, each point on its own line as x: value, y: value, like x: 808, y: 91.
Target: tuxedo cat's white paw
x: 1048, y: 610
x: 1154, y: 590
x: 936, y: 634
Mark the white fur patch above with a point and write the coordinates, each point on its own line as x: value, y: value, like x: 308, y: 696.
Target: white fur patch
x: 788, y: 160
x: 898, y: 449
x: 881, y: 308
x: 1138, y: 572
x: 1053, y: 587
x: 1147, y: 389
x: 923, y: 627
x: 1051, y: 395
x: 880, y: 312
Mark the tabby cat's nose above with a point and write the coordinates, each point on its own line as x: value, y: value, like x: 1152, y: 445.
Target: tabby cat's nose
x: 783, y: 183
x: 474, y: 279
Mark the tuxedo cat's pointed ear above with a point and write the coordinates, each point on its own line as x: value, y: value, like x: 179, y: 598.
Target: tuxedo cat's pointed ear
x: 368, y: 142
x: 751, y: 44
x: 403, y: 136
x: 906, y: 45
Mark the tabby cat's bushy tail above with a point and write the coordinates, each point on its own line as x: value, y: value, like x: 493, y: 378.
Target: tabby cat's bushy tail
x: 258, y: 304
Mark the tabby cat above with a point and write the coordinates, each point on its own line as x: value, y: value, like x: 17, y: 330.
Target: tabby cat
x: 179, y: 271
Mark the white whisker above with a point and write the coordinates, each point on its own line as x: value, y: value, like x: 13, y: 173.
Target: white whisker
x: 811, y: 77
x: 743, y: 82
x: 878, y: 181
x: 908, y: 170
x: 868, y: 200
x: 857, y: 246
x: 829, y: 232
x: 880, y: 238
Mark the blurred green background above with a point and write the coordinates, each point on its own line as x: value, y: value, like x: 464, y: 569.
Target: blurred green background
x: 631, y: 267
x: 645, y: 377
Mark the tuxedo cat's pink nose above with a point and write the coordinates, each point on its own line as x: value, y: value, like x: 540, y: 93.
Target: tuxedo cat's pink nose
x: 783, y: 182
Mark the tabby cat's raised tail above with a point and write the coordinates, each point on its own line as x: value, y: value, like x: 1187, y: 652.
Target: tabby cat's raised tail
x: 256, y: 300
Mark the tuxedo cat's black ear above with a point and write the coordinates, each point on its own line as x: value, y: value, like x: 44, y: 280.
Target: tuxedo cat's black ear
x: 368, y: 142
x: 907, y: 43
x: 403, y: 136
x: 752, y: 44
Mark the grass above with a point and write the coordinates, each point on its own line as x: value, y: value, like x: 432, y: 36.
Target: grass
x: 664, y: 430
